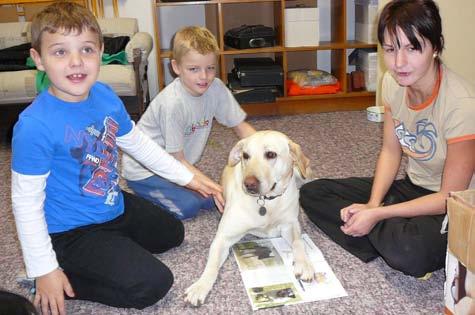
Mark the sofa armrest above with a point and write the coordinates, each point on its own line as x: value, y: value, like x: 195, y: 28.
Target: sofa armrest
x: 142, y: 41
x: 140, y: 66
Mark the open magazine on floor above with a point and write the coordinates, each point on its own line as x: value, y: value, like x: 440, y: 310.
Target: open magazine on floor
x: 268, y: 274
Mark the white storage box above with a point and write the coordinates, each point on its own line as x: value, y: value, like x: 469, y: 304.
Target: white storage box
x: 301, y: 27
x: 366, y: 19
x: 367, y: 59
x: 370, y: 77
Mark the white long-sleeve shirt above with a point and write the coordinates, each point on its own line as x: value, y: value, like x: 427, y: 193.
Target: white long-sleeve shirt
x: 28, y: 197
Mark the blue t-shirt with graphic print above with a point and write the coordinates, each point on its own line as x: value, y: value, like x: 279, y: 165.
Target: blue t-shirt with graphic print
x: 76, y: 143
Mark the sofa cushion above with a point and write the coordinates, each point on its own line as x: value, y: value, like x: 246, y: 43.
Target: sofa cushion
x: 118, y: 26
x: 14, y: 33
x: 121, y: 78
x: 20, y: 86
x: 17, y: 86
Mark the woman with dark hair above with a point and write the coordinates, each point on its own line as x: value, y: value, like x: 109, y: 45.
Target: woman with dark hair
x: 430, y: 117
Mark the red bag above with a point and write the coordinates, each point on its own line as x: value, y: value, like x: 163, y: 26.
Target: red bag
x: 293, y: 89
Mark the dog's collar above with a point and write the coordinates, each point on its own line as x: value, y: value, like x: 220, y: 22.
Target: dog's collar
x: 269, y: 198
x: 261, y: 201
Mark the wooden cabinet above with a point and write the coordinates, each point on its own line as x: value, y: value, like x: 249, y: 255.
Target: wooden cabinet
x: 25, y: 10
x: 221, y: 15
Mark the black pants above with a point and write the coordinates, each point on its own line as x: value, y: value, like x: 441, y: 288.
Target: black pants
x: 411, y: 245
x: 112, y: 263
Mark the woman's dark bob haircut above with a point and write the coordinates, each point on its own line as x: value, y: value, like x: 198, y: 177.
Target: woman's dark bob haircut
x: 413, y: 17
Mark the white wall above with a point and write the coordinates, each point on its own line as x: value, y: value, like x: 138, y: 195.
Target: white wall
x: 458, y: 27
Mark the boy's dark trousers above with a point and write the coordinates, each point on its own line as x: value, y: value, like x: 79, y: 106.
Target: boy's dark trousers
x: 112, y: 263
x: 414, y: 246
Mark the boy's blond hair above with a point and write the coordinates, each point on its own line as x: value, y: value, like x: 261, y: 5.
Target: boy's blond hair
x: 195, y: 38
x: 64, y: 17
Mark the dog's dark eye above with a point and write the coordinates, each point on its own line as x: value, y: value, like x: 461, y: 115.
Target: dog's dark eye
x: 271, y: 155
x: 245, y: 156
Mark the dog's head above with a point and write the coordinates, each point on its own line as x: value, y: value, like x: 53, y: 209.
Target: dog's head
x: 267, y: 159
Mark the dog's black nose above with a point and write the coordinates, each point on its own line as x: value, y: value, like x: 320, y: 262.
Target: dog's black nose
x: 252, y: 184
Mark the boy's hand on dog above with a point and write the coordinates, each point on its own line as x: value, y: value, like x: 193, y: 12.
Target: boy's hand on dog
x: 219, y: 203
x: 50, y: 289
x: 207, y: 187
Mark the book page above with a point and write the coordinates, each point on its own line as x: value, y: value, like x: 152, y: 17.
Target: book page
x: 266, y: 267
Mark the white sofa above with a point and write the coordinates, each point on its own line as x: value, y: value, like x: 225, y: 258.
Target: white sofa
x: 128, y: 81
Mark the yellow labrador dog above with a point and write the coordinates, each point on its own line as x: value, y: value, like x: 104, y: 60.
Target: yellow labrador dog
x: 260, y: 186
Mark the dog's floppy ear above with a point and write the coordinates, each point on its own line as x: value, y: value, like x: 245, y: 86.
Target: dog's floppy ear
x: 303, y: 163
x: 235, y: 154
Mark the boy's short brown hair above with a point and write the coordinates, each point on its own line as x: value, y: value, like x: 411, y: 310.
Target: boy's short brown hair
x: 66, y: 17
x: 195, y: 38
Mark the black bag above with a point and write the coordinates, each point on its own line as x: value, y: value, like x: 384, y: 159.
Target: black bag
x: 250, y: 36
x: 258, y: 72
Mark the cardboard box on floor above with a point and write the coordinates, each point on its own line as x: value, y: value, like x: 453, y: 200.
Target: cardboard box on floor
x: 460, y: 264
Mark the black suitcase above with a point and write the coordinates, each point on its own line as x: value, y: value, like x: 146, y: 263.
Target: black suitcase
x: 258, y: 72
x: 251, y: 94
x: 250, y: 36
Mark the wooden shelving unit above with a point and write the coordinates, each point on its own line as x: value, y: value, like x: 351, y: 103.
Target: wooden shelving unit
x: 222, y: 15
x: 28, y: 8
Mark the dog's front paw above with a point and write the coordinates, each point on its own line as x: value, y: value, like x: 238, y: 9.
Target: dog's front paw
x: 197, y: 292
x: 304, y: 270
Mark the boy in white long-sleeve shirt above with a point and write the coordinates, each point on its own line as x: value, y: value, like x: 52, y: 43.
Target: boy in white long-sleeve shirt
x: 80, y: 234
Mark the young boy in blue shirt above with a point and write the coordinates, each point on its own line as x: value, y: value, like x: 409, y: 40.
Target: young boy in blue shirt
x: 79, y: 233
x: 180, y: 120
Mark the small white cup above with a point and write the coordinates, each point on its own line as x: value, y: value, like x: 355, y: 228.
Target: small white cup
x: 375, y: 113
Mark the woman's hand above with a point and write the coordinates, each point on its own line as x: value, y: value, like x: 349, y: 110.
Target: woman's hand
x: 347, y: 212
x: 359, y: 219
